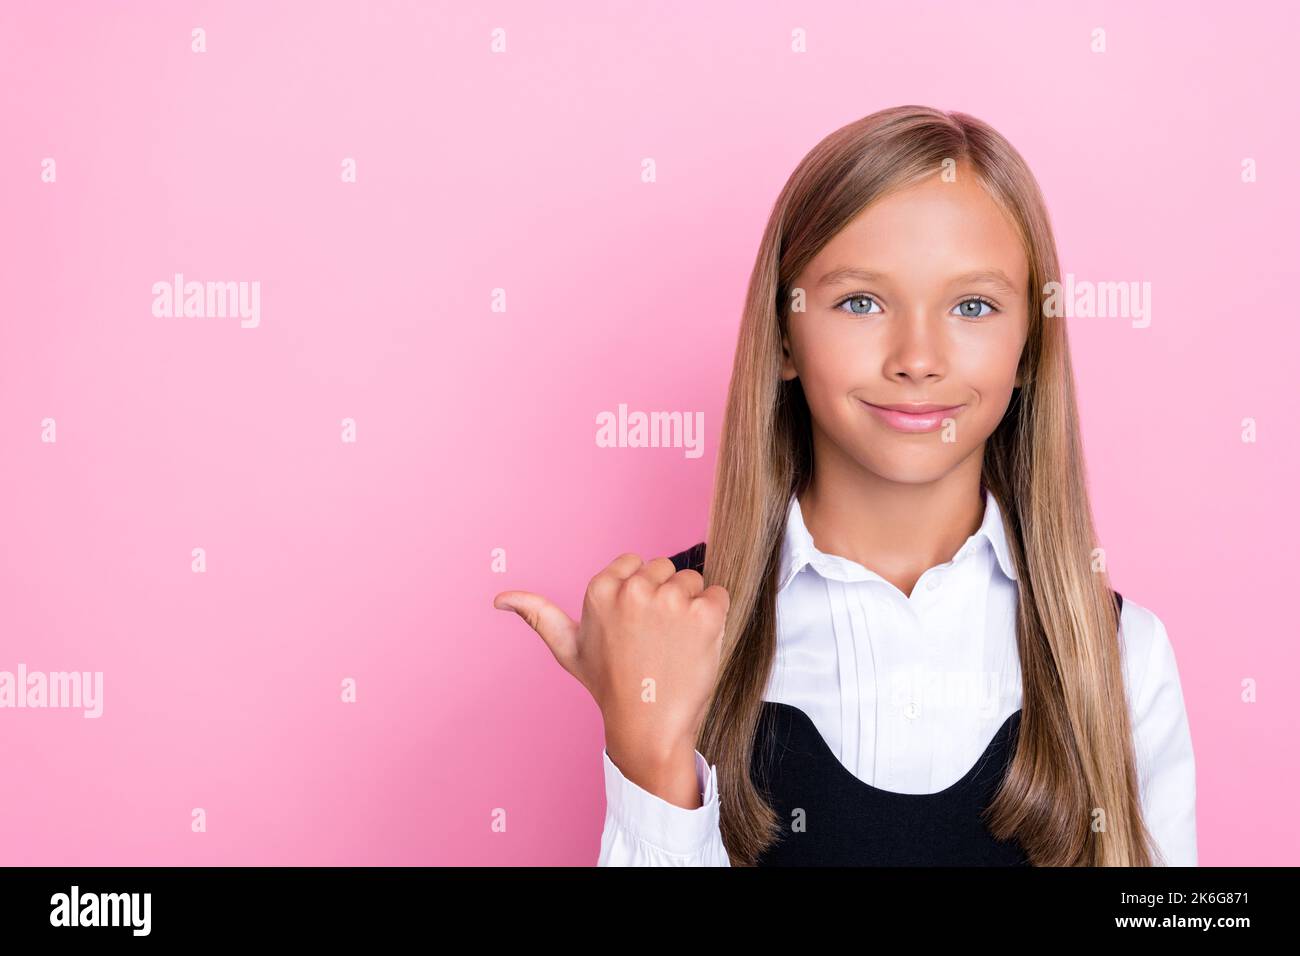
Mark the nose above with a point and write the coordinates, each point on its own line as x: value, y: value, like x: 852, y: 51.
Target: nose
x: 916, y: 350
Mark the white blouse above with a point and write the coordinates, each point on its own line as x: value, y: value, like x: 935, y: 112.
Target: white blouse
x: 909, y: 691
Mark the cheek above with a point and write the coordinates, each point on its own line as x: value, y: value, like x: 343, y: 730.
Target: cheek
x: 832, y: 364
x: 987, y: 364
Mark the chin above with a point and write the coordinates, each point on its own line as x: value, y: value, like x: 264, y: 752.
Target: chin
x: 911, y: 470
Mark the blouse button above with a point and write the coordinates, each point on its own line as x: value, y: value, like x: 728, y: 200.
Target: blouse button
x: 912, y: 710
x: 931, y: 584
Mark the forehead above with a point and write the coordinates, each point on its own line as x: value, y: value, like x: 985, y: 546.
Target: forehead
x: 926, y: 233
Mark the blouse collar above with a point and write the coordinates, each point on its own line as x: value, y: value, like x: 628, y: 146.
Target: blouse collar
x: 798, y: 550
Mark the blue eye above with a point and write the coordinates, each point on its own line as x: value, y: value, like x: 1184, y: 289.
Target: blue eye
x: 856, y: 299
x: 964, y: 309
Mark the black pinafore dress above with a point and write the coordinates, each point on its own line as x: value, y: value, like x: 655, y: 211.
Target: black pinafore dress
x: 845, y: 821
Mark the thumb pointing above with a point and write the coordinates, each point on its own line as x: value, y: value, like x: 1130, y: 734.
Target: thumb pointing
x: 556, y: 628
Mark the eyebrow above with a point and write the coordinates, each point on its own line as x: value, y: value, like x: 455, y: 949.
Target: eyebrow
x: 994, y: 277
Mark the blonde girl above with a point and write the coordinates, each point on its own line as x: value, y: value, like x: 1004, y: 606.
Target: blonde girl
x: 898, y: 646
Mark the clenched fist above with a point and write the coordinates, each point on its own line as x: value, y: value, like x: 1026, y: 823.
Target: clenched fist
x: 648, y: 649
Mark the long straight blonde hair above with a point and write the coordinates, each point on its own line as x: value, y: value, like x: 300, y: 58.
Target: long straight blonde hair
x: 1070, y: 797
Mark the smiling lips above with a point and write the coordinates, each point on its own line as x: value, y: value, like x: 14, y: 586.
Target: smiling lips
x: 913, y: 416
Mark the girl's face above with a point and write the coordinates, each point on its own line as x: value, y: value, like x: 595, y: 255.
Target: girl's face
x: 915, y: 315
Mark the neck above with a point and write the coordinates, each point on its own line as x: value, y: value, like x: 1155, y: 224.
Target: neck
x: 898, y: 530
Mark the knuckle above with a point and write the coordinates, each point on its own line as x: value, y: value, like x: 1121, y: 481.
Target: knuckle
x: 712, y: 614
x: 690, y: 576
x: 661, y: 564
x: 638, y: 587
x: 674, y: 598
x: 600, y: 588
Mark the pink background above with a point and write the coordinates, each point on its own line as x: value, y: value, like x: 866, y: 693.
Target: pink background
x: 476, y: 429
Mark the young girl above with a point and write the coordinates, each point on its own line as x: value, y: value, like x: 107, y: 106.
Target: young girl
x: 908, y: 651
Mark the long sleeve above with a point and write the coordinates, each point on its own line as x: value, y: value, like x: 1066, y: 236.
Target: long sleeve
x: 1163, y: 742
x: 642, y: 829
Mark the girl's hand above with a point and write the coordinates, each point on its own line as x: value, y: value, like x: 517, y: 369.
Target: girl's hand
x: 648, y: 650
